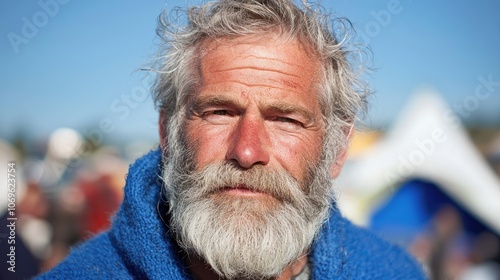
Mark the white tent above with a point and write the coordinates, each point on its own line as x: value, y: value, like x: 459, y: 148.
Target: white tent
x: 429, y: 142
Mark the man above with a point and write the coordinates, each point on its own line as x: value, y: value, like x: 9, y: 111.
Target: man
x: 257, y: 102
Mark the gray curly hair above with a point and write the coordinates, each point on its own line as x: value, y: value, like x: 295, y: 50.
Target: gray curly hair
x: 342, y: 94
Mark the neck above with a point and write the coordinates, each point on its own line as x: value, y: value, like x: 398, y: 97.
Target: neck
x: 200, y: 270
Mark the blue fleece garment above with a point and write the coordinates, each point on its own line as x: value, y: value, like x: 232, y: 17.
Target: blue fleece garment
x: 138, y: 245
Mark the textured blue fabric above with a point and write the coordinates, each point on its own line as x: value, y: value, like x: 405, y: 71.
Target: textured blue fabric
x: 138, y: 245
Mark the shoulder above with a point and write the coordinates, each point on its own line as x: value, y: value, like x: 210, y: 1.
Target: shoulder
x: 378, y: 258
x: 346, y: 251
x: 94, y: 259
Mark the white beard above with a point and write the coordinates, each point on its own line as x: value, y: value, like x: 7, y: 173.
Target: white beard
x: 245, y: 237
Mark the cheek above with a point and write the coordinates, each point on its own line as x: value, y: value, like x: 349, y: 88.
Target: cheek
x: 295, y: 153
x: 207, y: 144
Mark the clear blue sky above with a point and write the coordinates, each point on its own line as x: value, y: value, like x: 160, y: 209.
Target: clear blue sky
x: 80, y: 66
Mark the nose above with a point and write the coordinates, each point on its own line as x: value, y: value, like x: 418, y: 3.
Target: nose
x: 249, y: 143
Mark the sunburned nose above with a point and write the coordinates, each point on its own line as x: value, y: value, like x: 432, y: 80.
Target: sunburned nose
x: 249, y: 143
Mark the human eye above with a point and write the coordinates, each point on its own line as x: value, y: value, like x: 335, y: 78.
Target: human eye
x: 217, y: 116
x: 218, y: 112
x: 288, y: 122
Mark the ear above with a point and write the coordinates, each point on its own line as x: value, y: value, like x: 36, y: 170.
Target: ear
x: 162, y: 129
x: 337, y: 166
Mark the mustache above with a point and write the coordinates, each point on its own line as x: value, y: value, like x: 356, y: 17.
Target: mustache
x: 218, y: 176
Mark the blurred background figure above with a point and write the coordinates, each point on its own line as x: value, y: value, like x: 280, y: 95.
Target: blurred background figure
x: 85, y: 205
x: 58, y: 206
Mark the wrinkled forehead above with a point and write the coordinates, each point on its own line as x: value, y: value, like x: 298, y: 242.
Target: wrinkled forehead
x: 258, y: 45
x: 276, y: 59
